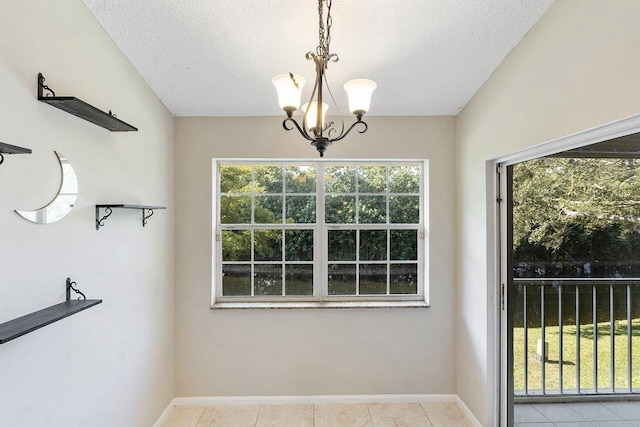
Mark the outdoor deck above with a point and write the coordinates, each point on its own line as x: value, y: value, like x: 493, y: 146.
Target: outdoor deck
x: 600, y: 414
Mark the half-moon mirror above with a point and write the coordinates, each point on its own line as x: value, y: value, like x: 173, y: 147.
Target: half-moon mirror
x: 64, y: 201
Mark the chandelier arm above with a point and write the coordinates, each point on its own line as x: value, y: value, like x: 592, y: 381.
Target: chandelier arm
x: 335, y: 104
x: 350, y: 128
x: 304, y: 116
x: 304, y: 121
x: 307, y: 132
x: 297, y: 126
x: 320, y: 66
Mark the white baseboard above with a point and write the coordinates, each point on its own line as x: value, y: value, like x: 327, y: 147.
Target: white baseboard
x: 283, y: 400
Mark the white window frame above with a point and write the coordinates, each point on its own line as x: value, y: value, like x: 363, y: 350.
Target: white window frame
x: 320, y: 297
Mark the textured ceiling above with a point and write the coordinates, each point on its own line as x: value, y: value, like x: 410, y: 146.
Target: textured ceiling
x: 217, y: 58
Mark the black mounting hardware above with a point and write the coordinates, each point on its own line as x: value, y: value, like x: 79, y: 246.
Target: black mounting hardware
x: 108, y: 211
x: 23, y: 325
x: 100, y: 222
x: 77, y: 291
x: 11, y: 149
x: 81, y: 109
x: 145, y: 218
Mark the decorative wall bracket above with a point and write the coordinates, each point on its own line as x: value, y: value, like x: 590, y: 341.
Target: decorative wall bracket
x: 146, y: 218
x: 23, y: 325
x: 147, y: 212
x: 11, y: 149
x: 81, y: 109
x: 70, y: 288
x: 107, y: 211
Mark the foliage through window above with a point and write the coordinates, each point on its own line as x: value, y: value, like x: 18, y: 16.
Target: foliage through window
x: 319, y: 230
x: 587, y: 215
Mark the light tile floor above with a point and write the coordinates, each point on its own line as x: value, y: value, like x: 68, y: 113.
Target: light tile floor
x: 409, y: 414
x: 582, y: 414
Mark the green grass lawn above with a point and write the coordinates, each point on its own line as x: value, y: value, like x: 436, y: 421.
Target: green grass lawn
x: 552, y: 370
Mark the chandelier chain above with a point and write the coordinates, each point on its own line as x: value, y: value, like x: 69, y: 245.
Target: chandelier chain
x: 329, y: 24
x: 324, y: 33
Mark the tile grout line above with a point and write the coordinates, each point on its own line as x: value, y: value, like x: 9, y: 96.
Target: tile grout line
x: 425, y: 413
x: 619, y: 414
x: 257, y: 416
x: 201, y: 415
x: 370, y: 417
x: 533, y: 405
x: 601, y: 408
x: 575, y: 412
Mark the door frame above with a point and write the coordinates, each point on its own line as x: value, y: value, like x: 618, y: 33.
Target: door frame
x: 497, y: 252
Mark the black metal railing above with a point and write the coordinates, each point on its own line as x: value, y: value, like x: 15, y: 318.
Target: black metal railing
x: 576, y: 336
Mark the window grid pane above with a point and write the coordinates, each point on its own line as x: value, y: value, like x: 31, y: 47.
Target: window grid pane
x: 385, y: 219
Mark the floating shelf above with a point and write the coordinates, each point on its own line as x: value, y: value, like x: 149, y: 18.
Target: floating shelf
x: 108, y: 209
x: 12, y: 149
x: 81, y: 109
x: 23, y: 325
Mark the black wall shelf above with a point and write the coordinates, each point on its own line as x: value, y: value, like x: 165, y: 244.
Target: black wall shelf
x: 12, y: 149
x: 23, y: 325
x: 81, y: 109
x: 108, y: 210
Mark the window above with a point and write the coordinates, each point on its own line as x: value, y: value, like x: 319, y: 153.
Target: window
x: 319, y: 231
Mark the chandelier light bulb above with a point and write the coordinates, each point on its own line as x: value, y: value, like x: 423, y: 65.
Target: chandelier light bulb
x: 359, y: 92
x: 289, y: 87
x: 311, y: 116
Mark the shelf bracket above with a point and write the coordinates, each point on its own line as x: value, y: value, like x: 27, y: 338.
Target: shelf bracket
x: 42, y: 86
x: 70, y: 288
x: 100, y: 222
x: 146, y: 218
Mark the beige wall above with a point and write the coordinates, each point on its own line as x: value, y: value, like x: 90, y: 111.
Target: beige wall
x: 577, y: 68
x: 310, y: 352
x: 113, y: 364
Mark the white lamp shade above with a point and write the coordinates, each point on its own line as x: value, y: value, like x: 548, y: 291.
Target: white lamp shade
x: 289, y: 89
x: 359, y: 92
x: 312, y: 114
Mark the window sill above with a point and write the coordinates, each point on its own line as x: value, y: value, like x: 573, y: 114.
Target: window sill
x: 316, y: 305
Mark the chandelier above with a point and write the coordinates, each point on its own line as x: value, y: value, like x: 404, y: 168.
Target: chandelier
x: 289, y: 87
